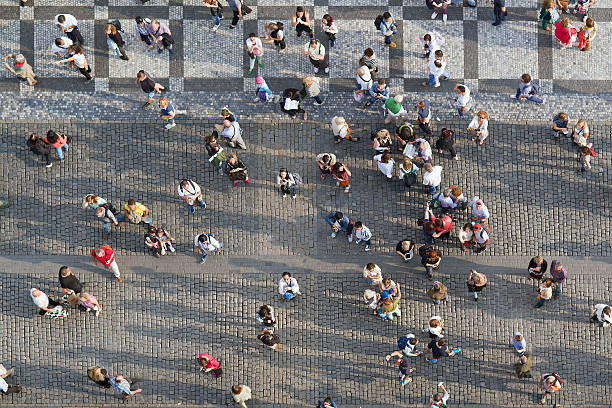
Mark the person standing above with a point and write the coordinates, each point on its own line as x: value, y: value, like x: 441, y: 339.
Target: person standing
x: 423, y: 110
x: 288, y: 286
x: 316, y: 55
x: 561, y: 124
x: 523, y: 366
x: 559, y: 274
x: 446, y: 141
x: 327, y: 403
x: 378, y: 92
x: 206, y: 243
x: 235, y: 169
x: 439, y: 348
x: 208, y: 363
x: 340, y: 222
x: 537, y: 267
x: 231, y: 131
x: 122, y: 385
x: 161, y: 35
x: 341, y: 130
x: 518, y: 343
x: 463, y: 101
x: 148, y: 86
x: 285, y: 183
x: 479, y: 127
x: 385, y: 164
x: 430, y: 260
x: 326, y: 162
x: 216, y: 11
x: 313, y: 89
x: 301, y: 21
x: 99, y: 376
x: 275, y: 34
x: 565, y: 33
x: 79, y: 61
x: 432, y: 177
x: 241, y: 393
x: 236, y: 6
x: 329, y: 27
x: 437, y: 400
x: 106, y: 256
x: 21, y: 69
x: 388, y: 28
x: 115, y: 41
x: 40, y: 148
x: 168, y: 113
x: 142, y: 32
x: 394, y: 110
x: 216, y: 154
x: 549, y: 383
x: 190, y: 192
x: 61, y: 47
x: 5, y: 388
x: 136, y: 213
x: 587, y: 34
x: 499, y: 11
x: 440, y: 6
x: 47, y: 306
x: 544, y: 292
x: 369, y: 60
x: 58, y: 141
x: 476, y: 283
x: 69, y: 25
x: 480, y: 212
x: 481, y: 236
x: 438, y: 292
x: 363, y: 233
x: 70, y: 284
x: 255, y: 51
x: 466, y: 236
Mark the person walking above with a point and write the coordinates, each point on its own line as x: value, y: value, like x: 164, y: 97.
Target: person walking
x: 288, y: 286
x: 241, y: 394
x: 329, y: 27
x: 340, y: 222
x: 142, y: 32
x: 69, y: 283
x: 341, y: 130
x: 123, y: 386
x: 205, y: 243
x: 439, y: 348
x: 190, y: 192
x: 438, y: 292
x: 394, y: 111
x: 106, y: 256
x: 237, y: 9
x: 326, y: 162
x: 439, y: 400
x: 285, y: 183
x: 463, y: 100
x: 479, y: 127
x: 342, y: 175
x: 168, y: 113
x: 523, y: 365
x: 379, y: 92
x: 363, y: 233
x: 601, y: 314
x: 69, y: 25
x: 208, y: 363
x: 115, y: 41
x: 161, y: 36
x: 363, y: 83
x: 527, y: 89
x: 216, y: 11
x: 440, y: 6
x: 99, y: 376
x: 136, y: 213
x: 300, y: 20
x: 57, y: 141
x: 20, y: 68
x: 79, y: 61
x: 549, y: 383
x: 312, y: 85
x: 86, y: 302
x: 235, y: 169
x: 476, y: 283
x: 148, y: 86
x: 499, y: 11
x: 430, y: 260
x: 518, y: 343
x: 255, y: 51
x: 106, y: 217
x: 388, y: 28
x: 216, y: 154
x: 559, y: 275
x: 40, y: 148
x: 232, y: 132
x: 47, y: 306
x: 316, y: 55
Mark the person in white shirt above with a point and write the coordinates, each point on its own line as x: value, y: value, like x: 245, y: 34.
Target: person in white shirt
x: 329, y: 27
x: 190, y: 192
x: 465, y: 236
x: 481, y: 236
x: 446, y: 202
x: 60, y: 47
x: 371, y: 299
x: 437, y: 69
x: 206, y: 243
x: 285, y: 183
x: 480, y: 212
x: 424, y: 149
x: 372, y: 273
x: 362, y: 233
x: 432, y: 177
x: 316, y: 54
x: 462, y: 102
x: 231, y: 130
x: 69, y: 25
x: 432, y: 42
x: 288, y: 287
x: 385, y: 165
x: 479, y: 127
x: 255, y: 51
x: 363, y: 82
x: 45, y: 304
x: 602, y: 315
x: 437, y: 400
x: 341, y: 130
x: 241, y: 394
x: 435, y: 327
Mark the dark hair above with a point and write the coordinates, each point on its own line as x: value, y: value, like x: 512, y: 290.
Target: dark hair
x: 33, y: 139
x: 58, y: 41
x: 62, y: 269
x: 61, y: 19
x: 442, y: 342
x: 430, y: 227
x: 236, y: 389
x: 468, y: 225
x: 446, y: 132
x: 427, y: 37
x: 385, y: 157
x: 51, y: 136
x: 381, y: 81
x: 329, y: 19
x: 131, y: 201
x: 437, y: 397
x: 286, y: 274
x: 252, y: 35
x: 299, y: 9
x: 368, y: 52
x: 461, y: 88
x: 202, y: 238
x: 386, y: 15
x: 139, y: 20
x: 279, y: 25
x: 313, y: 41
x: 607, y: 310
x: 359, y: 224
x: 439, y: 223
x: 326, y: 158
x: 585, y: 150
x: 439, y: 53
x: 338, y: 215
x: 76, y: 49
x: 141, y: 74
x: 526, y: 78
x: 437, y: 63
x: 413, y: 341
x: 151, y: 229
x: 264, y: 311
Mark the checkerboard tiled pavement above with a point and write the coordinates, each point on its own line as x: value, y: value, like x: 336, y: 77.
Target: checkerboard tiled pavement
x: 166, y: 311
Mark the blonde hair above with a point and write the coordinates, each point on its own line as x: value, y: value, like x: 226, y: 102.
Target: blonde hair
x: 163, y: 101
x: 581, y: 122
x: 307, y: 81
x: 110, y: 27
x: 339, y: 120
x: 407, y: 163
x: 232, y: 156
x: 483, y: 114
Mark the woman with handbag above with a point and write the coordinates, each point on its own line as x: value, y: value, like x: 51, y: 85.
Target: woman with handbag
x: 476, y: 283
x: 329, y: 28
x: 255, y: 51
x: 236, y: 170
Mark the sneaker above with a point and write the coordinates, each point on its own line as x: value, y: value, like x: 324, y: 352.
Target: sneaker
x: 191, y: 208
x: 202, y: 204
x: 293, y: 195
x: 543, y: 400
x: 350, y: 238
x: 221, y: 17
x: 157, y: 255
x: 170, y: 125
x: 437, y: 84
x: 235, y: 184
x: 327, y: 70
x: 256, y: 99
x: 284, y: 195
x: 203, y: 261
x: 434, y: 15
x: 146, y: 105
x: 433, y: 360
x: 316, y: 70
x: 513, y: 96
x: 367, y: 248
x: 277, y: 98
x: 160, y: 50
x: 247, y: 180
x: 261, y: 64
x: 456, y: 157
x: 358, y: 241
x: 216, y: 27
x: 457, y: 350
x: 444, y: 17
x: 48, y: 164
x: 392, y: 45
x: 124, y: 57
x: 333, y: 234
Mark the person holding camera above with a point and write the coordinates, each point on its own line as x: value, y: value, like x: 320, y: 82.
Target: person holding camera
x: 388, y: 28
x: 288, y: 286
x: 285, y: 183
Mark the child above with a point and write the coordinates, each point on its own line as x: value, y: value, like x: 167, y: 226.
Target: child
x: 371, y: 299
x: 209, y: 363
x: 527, y: 90
x: 342, y: 174
x: 466, y: 236
x: 587, y: 34
x: 561, y: 124
x: 165, y: 240
x: 385, y: 165
x: 585, y: 159
x: 362, y: 233
x: 519, y: 344
x: 263, y: 92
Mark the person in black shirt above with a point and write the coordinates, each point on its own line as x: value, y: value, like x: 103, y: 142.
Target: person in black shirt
x: 149, y: 86
x: 537, y: 267
x: 69, y: 283
x: 499, y: 11
x: 236, y: 169
x: 40, y: 148
x: 115, y: 41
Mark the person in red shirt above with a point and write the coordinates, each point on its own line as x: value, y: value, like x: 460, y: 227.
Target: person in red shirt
x: 209, y: 363
x: 58, y: 141
x: 106, y: 256
x: 565, y: 33
x: 443, y: 224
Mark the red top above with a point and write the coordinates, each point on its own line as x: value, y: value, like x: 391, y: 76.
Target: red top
x: 212, y: 362
x: 108, y: 258
x: 447, y: 223
x: 564, y: 34
x: 61, y: 140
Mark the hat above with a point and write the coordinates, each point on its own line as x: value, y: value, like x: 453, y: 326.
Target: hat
x: 219, y: 128
x: 477, y: 225
x: 19, y: 58
x: 479, y: 202
x: 258, y: 80
x: 517, y: 334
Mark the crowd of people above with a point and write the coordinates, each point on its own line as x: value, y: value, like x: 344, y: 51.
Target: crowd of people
x: 417, y: 155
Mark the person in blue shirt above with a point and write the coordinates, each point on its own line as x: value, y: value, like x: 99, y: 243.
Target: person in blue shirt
x: 388, y: 29
x: 561, y: 124
x: 167, y: 112
x: 340, y: 222
x: 378, y: 92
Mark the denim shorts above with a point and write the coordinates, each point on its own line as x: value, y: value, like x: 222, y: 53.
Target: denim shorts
x: 151, y: 94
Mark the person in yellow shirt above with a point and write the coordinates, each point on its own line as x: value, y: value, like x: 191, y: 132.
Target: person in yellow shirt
x: 136, y: 213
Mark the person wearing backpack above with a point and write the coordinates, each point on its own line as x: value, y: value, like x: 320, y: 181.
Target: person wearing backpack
x: 316, y: 55
x: 285, y: 183
x: 407, y: 172
x: 40, y: 148
x: 387, y: 26
x: 106, y: 217
x: 115, y: 41
x: 549, y: 383
x: 106, y: 256
x: 161, y: 36
x: 527, y: 89
x: 190, y: 192
x: 206, y: 243
x: 437, y: 400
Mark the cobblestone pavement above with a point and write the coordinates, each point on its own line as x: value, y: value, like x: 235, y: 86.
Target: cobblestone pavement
x: 167, y: 310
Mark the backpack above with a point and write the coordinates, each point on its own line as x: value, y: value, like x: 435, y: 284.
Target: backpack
x: 190, y: 183
x: 378, y: 21
x: 554, y: 374
x: 410, y: 179
x: 297, y: 178
x: 117, y: 25
x: 405, y: 125
x: 439, y: 404
x: 423, y: 250
x: 111, y: 208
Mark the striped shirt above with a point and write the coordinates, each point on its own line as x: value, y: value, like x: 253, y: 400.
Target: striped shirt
x: 123, y: 386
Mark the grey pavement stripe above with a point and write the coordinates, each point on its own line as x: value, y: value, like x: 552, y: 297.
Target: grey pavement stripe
x: 130, y: 12
x: 177, y: 58
x: 213, y: 84
x: 49, y: 12
x: 9, y: 13
x: 470, y: 50
x: 587, y: 87
x: 102, y: 53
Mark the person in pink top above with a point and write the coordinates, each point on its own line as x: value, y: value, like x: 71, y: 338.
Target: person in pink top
x: 209, y: 363
x: 565, y: 33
